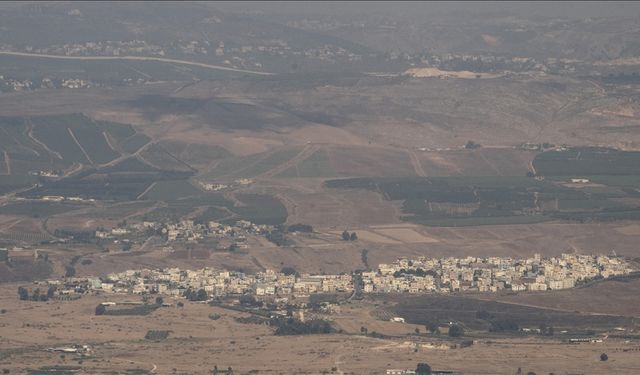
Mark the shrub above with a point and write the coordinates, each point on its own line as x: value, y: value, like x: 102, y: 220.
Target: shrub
x: 456, y: 330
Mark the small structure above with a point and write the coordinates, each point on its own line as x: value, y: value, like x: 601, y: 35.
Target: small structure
x: 579, y: 180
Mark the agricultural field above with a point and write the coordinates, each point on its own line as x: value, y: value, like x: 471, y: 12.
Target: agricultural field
x: 159, y: 158
x: 484, y: 161
x: 170, y: 190
x: 197, y: 155
x: 134, y: 142
x: 588, y: 161
x: 328, y: 161
x: 39, y: 209
x: 316, y: 165
x: 489, y: 200
x: 479, y: 314
x: 260, y: 209
x: 57, y: 143
x: 252, y: 165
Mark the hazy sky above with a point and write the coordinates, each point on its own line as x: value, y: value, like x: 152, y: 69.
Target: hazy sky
x: 425, y: 9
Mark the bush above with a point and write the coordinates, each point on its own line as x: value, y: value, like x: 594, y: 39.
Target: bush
x: 292, y: 326
x: 503, y: 325
x: 156, y: 335
x: 456, y: 330
x: 304, y: 228
x: 604, y: 357
x: 288, y: 271
x: 101, y: 309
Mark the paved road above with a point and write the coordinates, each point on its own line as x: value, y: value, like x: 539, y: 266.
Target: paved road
x: 134, y: 58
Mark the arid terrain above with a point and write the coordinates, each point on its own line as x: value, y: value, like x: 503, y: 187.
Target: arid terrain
x: 196, y: 344
x: 318, y: 140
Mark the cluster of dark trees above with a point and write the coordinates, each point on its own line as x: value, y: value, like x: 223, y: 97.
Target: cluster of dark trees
x: 101, y: 309
x: 304, y: 228
x: 216, y: 371
x: 70, y: 271
x: 290, y: 326
x: 423, y: 369
x: 418, y: 272
x: 505, y: 325
x: 156, y: 335
x: 24, y: 295
x: 250, y: 301
x: 196, y: 295
x: 82, y: 237
x: 471, y: 145
x: 277, y: 236
x: 346, y: 236
x: 145, y: 309
x: 289, y: 271
x: 456, y: 330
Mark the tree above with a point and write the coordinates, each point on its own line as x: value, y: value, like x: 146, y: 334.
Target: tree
x: 353, y: 236
x: 247, y: 299
x: 159, y: 301
x: 604, y: 357
x: 288, y: 271
x: 70, y: 271
x: 101, y: 309
x: 23, y: 293
x: 35, y: 296
x: 364, y: 330
x: 201, y: 295
x: 180, y: 304
x: 51, y: 291
x: 423, y: 369
x: 304, y: 228
x: 417, y: 331
x: 456, y: 330
x: 346, y: 236
x: 471, y: 145
x: 432, y: 327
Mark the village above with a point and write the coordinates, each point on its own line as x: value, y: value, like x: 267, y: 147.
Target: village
x: 423, y: 275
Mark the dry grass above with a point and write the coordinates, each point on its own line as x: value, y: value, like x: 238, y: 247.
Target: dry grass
x: 197, y: 343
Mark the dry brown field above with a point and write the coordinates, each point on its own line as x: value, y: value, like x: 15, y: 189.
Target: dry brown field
x: 196, y: 344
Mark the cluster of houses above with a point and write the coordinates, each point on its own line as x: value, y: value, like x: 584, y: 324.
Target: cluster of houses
x: 101, y: 48
x: 175, y: 282
x: 403, y: 276
x: 490, y: 274
x: 188, y: 230
x: 217, y: 187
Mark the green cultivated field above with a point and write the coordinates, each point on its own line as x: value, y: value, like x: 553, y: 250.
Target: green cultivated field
x: 134, y: 142
x: 52, y: 146
x: 465, y: 201
x: 39, y: 209
x: 171, y: 190
x: 587, y: 161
